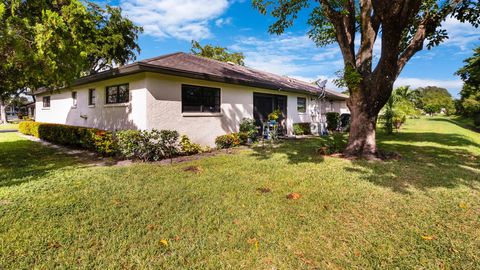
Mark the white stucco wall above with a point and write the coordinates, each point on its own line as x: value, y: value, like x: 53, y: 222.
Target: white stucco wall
x: 103, y: 116
x: 155, y: 102
x: 164, y: 108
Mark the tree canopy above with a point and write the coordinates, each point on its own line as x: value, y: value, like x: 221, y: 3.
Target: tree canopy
x: 217, y: 53
x: 50, y: 43
x: 470, y: 93
x: 404, y: 28
x: 433, y: 99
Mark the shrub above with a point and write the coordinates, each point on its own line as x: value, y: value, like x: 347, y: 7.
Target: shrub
x: 333, y: 118
x: 301, y: 129
x: 476, y: 119
x: 226, y: 141
x: 187, y: 147
x: 335, y: 143
x: 169, y: 142
x: 242, y: 137
x: 147, y: 145
x: 230, y: 140
x: 29, y: 128
x: 93, y: 139
x: 248, y: 126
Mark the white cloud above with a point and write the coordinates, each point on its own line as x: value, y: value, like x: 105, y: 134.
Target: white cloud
x: 291, y: 55
x: 453, y: 86
x: 461, y: 35
x: 223, y: 21
x: 186, y: 19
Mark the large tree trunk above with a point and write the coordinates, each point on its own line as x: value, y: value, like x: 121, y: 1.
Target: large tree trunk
x: 361, y: 141
x: 3, y: 113
x: 365, y: 103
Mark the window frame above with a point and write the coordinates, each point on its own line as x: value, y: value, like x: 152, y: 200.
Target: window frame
x: 304, y: 110
x: 117, y: 94
x: 43, y: 102
x: 74, y: 99
x: 92, y: 99
x: 217, y: 102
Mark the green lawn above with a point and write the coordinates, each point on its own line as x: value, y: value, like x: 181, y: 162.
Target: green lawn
x: 8, y: 126
x: 422, y: 212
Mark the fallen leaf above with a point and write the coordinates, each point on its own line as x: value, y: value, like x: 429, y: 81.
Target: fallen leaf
x: 264, y: 190
x: 193, y: 169
x: 164, y: 242
x: 357, y: 253
x: 117, y: 202
x: 253, y: 241
x: 54, y: 245
x: 463, y: 205
x: 427, y: 237
x: 293, y: 196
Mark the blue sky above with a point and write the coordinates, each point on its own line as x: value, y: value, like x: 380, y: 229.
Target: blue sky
x: 170, y: 25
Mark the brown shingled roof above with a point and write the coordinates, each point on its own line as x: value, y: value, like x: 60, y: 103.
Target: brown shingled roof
x: 191, y: 66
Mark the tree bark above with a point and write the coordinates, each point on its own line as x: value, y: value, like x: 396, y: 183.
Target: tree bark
x: 3, y: 113
x: 365, y: 103
x: 361, y: 140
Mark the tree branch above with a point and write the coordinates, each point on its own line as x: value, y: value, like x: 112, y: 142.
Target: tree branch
x: 345, y: 29
x: 370, y: 25
x: 426, y: 27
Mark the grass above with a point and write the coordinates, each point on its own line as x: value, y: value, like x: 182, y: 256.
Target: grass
x: 421, y: 212
x: 9, y: 126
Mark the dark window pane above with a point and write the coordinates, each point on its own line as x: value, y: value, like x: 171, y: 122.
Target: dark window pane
x: 74, y: 98
x: 123, y: 93
x: 200, y: 99
x: 46, y: 102
x: 301, y: 104
x: 91, y: 97
x: 117, y: 94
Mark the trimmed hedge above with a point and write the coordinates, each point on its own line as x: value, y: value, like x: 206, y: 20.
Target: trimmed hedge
x: 97, y: 140
x: 302, y: 129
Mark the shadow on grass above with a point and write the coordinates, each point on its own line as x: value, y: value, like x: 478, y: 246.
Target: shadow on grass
x: 459, y: 123
x: 421, y: 167
x: 23, y: 161
x: 297, y: 151
x: 450, y: 139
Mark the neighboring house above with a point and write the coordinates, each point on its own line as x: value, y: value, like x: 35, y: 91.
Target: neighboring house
x: 196, y: 96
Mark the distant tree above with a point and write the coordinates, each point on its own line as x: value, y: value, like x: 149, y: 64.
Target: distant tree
x: 434, y: 99
x: 217, y: 53
x: 469, y: 103
x: 51, y: 43
x: 404, y: 27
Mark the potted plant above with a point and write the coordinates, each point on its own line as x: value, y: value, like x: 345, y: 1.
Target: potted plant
x: 273, y: 116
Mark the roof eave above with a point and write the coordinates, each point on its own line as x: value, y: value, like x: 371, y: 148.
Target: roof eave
x: 139, y: 67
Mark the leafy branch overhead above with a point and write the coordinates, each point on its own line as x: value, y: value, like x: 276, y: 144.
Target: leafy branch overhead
x: 404, y: 27
x: 341, y: 20
x: 217, y: 53
x: 51, y: 43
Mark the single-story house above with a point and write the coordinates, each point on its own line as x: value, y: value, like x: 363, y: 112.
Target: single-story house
x: 196, y: 96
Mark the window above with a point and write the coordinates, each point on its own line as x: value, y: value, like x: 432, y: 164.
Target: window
x: 301, y: 104
x: 117, y: 94
x: 74, y: 99
x: 46, y: 102
x: 91, y: 97
x: 200, y: 99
